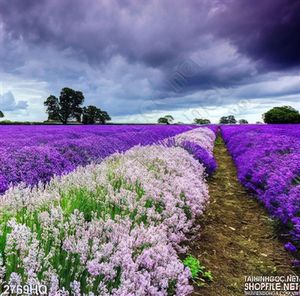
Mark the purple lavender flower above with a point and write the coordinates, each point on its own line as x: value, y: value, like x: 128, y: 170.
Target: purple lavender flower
x: 33, y: 154
x: 290, y: 247
x: 268, y: 163
x: 202, y: 155
x: 115, y: 227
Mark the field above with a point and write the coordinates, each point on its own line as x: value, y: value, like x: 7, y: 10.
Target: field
x: 268, y: 163
x: 148, y: 210
x: 31, y: 154
x: 110, y: 227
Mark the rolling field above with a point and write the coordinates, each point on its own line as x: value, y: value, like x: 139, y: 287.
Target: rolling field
x: 138, y: 210
x: 32, y: 154
x: 114, y: 227
x: 150, y: 148
x: 268, y: 163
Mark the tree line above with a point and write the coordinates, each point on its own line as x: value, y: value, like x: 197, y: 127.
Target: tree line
x: 68, y: 106
x: 168, y: 119
x: 276, y: 115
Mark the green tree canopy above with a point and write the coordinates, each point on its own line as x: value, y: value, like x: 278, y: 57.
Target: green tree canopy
x: 52, y: 108
x: 67, y: 106
x: 92, y: 114
x: 1, y: 114
x: 163, y: 120
x: 284, y: 114
x: 228, y: 120
x: 243, y: 121
x: 104, y: 117
x: 167, y: 119
x: 201, y: 121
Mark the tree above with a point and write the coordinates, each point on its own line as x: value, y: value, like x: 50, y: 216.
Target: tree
x: 92, y: 114
x: 67, y: 106
x: 228, y: 120
x: 284, y: 114
x: 104, y: 117
x: 243, y: 121
x: 201, y: 121
x: 163, y: 120
x: 1, y: 114
x: 167, y: 119
x: 170, y: 118
x: 70, y: 102
x: 52, y: 108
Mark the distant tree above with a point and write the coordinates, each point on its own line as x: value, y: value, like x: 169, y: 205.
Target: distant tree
x: 228, y: 120
x: 52, y: 108
x: 201, y: 121
x: 1, y: 114
x: 67, y: 106
x: 284, y: 114
x: 163, y: 120
x: 92, y: 114
x: 70, y: 102
x: 243, y: 121
x: 104, y: 117
x: 168, y: 119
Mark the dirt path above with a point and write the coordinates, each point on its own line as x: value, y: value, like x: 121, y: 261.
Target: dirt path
x: 237, y: 237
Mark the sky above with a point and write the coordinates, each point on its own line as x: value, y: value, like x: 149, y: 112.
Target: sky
x: 140, y: 60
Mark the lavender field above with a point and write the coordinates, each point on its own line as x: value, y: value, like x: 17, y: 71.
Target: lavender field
x: 102, y: 210
x: 150, y: 148
x: 114, y: 210
x: 268, y: 164
x: 33, y: 154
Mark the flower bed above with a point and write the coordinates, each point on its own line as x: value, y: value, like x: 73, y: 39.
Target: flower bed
x: 113, y: 228
x: 33, y: 154
x: 268, y: 163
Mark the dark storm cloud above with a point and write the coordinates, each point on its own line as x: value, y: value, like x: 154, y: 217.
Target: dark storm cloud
x: 265, y: 30
x: 156, y: 33
x: 141, y: 31
x: 125, y: 55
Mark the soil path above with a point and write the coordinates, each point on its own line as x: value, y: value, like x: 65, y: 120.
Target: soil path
x: 237, y: 238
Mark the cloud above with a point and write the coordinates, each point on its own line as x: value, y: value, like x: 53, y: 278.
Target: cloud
x: 265, y: 30
x: 142, y: 32
x: 136, y: 57
x: 9, y: 103
x: 155, y: 33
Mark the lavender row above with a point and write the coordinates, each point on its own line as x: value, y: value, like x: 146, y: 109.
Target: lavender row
x: 268, y: 163
x: 113, y: 228
x: 200, y: 143
x: 33, y: 154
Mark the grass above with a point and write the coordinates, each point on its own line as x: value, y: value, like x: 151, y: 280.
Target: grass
x: 93, y: 204
x: 199, y: 273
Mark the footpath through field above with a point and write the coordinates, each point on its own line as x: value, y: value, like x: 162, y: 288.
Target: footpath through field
x: 237, y: 238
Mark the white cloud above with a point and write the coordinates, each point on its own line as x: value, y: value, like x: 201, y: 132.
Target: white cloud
x: 9, y: 103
